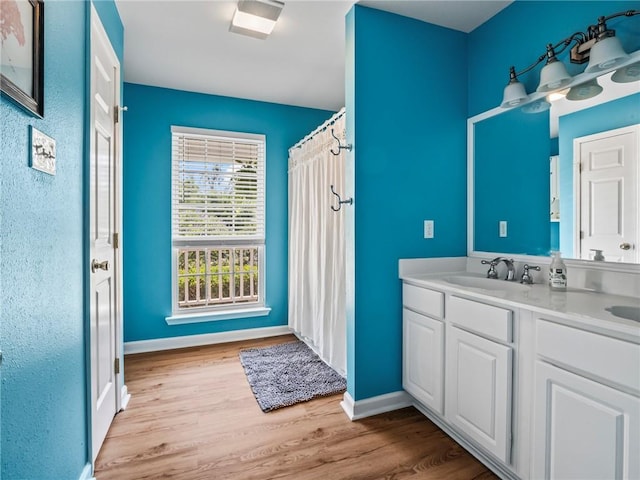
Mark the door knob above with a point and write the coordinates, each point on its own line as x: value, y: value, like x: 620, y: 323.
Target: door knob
x: 625, y: 246
x: 95, y: 265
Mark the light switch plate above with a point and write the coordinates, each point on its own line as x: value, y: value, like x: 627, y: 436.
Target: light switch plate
x: 43, y: 152
x: 428, y: 229
x: 503, y: 228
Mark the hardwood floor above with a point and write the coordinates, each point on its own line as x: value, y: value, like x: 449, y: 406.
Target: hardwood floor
x: 193, y: 416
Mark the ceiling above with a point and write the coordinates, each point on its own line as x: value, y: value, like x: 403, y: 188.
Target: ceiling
x: 186, y: 45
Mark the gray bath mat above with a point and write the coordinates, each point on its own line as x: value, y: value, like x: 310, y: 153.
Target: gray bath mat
x: 289, y: 373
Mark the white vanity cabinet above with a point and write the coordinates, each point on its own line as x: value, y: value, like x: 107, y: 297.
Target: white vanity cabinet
x: 587, y: 405
x: 423, y: 340
x: 479, y: 373
x: 536, y: 386
x: 475, y: 395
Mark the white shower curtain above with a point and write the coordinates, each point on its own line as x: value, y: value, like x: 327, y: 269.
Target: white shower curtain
x: 316, y: 243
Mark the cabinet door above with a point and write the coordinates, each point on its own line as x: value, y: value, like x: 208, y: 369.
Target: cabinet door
x: 479, y: 390
x: 422, y: 370
x: 583, y: 429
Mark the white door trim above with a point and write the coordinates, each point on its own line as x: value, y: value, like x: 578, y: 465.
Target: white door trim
x: 98, y: 33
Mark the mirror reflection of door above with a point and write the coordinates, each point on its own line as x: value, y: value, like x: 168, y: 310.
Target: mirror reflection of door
x: 607, y: 186
x: 554, y: 188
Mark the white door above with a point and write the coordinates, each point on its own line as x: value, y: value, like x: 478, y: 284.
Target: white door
x: 583, y: 430
x: 105, y: 91
x: 608, y: 207
x: 422, y: 372
x: 554, y: 184
x: 479, y: 390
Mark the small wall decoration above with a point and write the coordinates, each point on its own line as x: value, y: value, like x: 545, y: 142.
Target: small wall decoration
x: 22, y: 53
x: 43, y: 152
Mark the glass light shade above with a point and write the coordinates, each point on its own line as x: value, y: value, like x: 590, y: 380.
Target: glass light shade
x: 587, y: 90
x: 249, y: 21
x: 554, y: 96
x: 553, y: 75
x: 536, y: 107
x: 514, y: 95
x: 630, y: 73
x: 606, y: 53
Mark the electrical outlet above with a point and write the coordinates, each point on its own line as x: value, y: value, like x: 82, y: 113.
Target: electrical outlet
x: 428, y: 229
x: 503, y: 228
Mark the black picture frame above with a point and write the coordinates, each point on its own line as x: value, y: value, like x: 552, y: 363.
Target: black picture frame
x: 23, y: 83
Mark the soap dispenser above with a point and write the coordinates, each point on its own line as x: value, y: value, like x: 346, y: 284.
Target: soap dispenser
x: 597, y: 256
x: 557, y: 273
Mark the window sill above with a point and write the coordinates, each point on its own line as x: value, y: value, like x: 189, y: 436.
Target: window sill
x: 183, y: 318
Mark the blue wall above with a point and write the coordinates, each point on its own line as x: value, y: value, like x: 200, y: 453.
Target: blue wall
x: 147, y: 196
x: 520, y: 33
x: 500, y: 43
x: 44, y: 422
x: 408, y: 165
x: 511, y: 176
x: 112, y: 24
x: 614, y: 114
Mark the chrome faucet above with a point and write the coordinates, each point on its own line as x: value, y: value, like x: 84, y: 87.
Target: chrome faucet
x: 492, y: 272
x: 526, y: 275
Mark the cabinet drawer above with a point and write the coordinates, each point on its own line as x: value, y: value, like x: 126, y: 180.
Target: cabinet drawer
x: 423, y: 300
x: 494, y: 322
x: 603, y: 358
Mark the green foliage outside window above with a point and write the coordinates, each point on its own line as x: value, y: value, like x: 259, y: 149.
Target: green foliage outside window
x: 220, y: 275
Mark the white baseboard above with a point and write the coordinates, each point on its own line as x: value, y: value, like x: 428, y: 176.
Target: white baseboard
x: 156, y: 345
x: 490, y: 463
x: 368, y: 407
x: 87, y: 473
x: 125, y: 396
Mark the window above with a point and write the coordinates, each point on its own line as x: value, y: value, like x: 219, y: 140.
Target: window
x: 217, y: 219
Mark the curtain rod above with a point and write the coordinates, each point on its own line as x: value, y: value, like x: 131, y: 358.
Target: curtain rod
x: 321, y: 128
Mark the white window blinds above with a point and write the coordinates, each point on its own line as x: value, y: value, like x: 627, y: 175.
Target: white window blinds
x: 217, y: 186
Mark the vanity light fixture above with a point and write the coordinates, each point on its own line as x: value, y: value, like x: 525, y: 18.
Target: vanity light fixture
x: 630, y: 73
x: 606, y: 50
x: 597, y: 45
x: 514, y: 92
x: 256, y: 18
x: 537, y: 106
x: 584, y: 91
x: 554, y: 74
x: 553, y: 96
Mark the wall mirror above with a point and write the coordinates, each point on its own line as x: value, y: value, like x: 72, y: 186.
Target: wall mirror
x: 527, y: 193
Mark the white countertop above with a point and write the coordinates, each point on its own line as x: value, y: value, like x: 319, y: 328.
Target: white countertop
x: 581, y: 306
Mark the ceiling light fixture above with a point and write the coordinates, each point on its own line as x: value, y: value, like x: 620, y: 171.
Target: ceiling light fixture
x: 598, y: 45
x: 256, y: 18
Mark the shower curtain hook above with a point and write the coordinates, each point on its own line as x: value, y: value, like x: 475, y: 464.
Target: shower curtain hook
x: 340, y: 146
x: 340, y: 201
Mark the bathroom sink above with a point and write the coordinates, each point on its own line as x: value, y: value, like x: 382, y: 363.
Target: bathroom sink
x: 486, y: 283
x: 630, y: 313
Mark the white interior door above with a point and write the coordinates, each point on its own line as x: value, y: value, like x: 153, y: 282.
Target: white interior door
x: 104, y: 208
x: 608, y: 171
